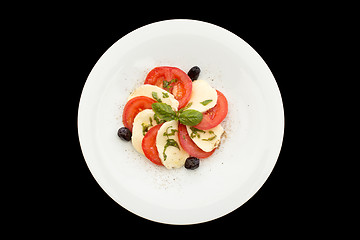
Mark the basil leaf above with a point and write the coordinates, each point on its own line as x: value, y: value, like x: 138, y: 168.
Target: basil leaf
x: 155, y: 96
x: 170, y: 134
x: 170, y: 142
x: 158, y: 121
x: 163, y: 111
x: 167, y: 84
x: 206, y: 102
x: 190, y: 117
x: 195, y: 132
x: 165, y: 95
x: 209, y: 139
x: 145, y: 127
x: 186, y: 107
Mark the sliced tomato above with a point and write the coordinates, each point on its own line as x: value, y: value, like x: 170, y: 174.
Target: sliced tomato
x: 178, y: 82
x: 133, y: 107
x: 149, y: 145
x: 189, y: 146
x: 214, y: 116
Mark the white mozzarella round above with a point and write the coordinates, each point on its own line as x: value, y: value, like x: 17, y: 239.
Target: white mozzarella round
x: 203, y: 96
x: 172, y: 157
x: 207, y: 140
x: 147, y: 91
x: 143, y: 121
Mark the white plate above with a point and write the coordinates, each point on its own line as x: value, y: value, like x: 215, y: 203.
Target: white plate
x: 254, y: 125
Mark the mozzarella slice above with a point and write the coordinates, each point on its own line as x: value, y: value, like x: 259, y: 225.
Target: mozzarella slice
x: 175, y: 156
x: 147, y: 91
x: 140, y: 126
x: 203, y: 96
x: 207, y: 140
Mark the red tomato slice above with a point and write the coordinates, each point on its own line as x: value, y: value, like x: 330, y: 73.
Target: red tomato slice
x: 180, y: 88
x: 133, y: 107
x: 149, y: 145
x: 189, y: 146
x: 215, y: 115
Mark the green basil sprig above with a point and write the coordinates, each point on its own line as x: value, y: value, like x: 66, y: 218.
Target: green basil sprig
x: 206, y: 102
x: 163, y: 111
x: 189, y: 117
x: 170, y: 142
x: 155, y: 96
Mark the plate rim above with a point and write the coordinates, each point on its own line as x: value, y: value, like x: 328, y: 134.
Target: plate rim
x: 82, y: 134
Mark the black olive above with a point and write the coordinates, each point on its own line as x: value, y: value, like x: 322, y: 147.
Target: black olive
x: 124, y: 133
x: 194, y: 73
x: 192, y: 163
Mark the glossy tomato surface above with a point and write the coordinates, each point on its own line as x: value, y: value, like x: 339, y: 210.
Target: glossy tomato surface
x: 149, y: 145
x: 173, y: 80
x: 189, y: 146
x: 214, y: 116
x: 133, y: 107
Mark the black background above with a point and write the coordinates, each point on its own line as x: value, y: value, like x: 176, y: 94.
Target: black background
x: 68, y: 43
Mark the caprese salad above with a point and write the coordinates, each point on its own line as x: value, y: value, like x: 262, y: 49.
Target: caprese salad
x: 174, y: 119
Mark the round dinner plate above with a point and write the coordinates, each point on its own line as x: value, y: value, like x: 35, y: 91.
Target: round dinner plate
x: 254, y: 125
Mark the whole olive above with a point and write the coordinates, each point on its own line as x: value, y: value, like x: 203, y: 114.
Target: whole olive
x: 192, y: 163
x: 194, y: 73
x: 124, y: 133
